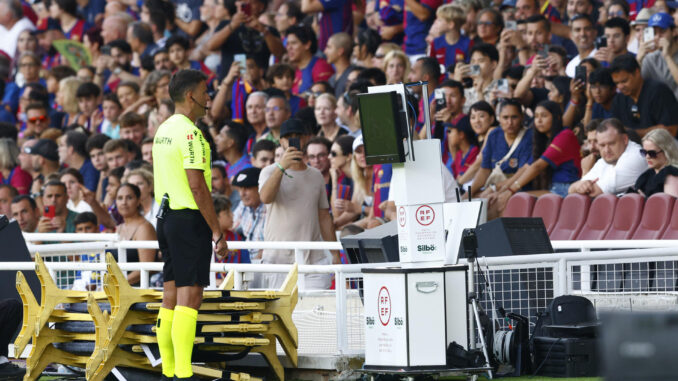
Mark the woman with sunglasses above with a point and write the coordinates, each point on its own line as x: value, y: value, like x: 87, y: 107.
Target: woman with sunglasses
x: 661, y: 154
x: 556, y: 158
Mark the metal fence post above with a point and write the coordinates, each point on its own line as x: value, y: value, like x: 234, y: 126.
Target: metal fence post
x: 144, y: 279
x: 563, y: 275
x: 299, y: 258
x: 342, y: 327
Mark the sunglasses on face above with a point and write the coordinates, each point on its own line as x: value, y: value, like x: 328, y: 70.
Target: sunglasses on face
x: 651, y: 153
x: 36, y: 119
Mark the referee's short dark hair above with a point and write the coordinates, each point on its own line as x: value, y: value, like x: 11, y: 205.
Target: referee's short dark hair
x: 183, y: 81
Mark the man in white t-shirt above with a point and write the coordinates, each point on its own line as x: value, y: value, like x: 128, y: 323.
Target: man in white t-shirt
x: 619, y: 165
x: 583, y: 33
x: 296, y: 207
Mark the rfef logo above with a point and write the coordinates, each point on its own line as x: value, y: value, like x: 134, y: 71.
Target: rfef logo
x: 384, y: 306
x: 425, y: 215
x: 402, y: 218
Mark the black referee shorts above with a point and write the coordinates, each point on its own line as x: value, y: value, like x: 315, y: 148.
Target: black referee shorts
x: 185, y: 240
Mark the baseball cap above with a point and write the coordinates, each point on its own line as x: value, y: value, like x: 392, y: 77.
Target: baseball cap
x: 662, y: 20
x: 508, y: 4
x: 46, y: 148
x: 358, y: 142
x: 643, y: 16
x: 292, y: 126
x: 248, y: 177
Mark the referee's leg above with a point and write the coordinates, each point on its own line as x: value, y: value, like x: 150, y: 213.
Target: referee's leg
x: 163, y: 330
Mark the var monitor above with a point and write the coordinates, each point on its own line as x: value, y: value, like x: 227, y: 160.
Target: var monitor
x: 384, y: 126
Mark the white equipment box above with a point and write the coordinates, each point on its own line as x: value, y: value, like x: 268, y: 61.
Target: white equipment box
x: 412, y: 314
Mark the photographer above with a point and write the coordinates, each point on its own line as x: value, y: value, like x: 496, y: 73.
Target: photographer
x: 615, y: 40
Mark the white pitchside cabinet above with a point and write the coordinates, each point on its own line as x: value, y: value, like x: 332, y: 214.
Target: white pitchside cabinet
x: 412, y: 314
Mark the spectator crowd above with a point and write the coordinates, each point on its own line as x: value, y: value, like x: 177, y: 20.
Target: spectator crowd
x: 562, y: 96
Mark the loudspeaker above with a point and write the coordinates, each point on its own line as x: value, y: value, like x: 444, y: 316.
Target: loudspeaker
x: 513, y: 236
x: 14, y: 250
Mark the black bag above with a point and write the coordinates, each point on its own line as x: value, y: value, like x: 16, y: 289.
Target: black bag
x: 566, y: 310
x: 459, y: 358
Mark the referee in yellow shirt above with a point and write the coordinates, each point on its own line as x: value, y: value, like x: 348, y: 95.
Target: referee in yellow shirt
x: 188, y: 224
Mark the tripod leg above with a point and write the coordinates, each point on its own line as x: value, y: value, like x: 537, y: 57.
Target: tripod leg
x: 482, y: 337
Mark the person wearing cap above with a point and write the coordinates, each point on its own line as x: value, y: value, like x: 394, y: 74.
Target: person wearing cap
x: 297, y: 207
x: 662, y: 63
x: 584, y: 35
x: 44, y: 159
x: 643, y: 104
x: 637, y: 27
x: 188, y: 224
x: 249, y: 217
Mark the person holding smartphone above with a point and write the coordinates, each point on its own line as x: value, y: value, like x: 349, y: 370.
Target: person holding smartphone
x: 297, y: 207
x: 56, y: 217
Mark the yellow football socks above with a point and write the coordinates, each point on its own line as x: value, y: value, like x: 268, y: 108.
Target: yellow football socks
x: 183, y: 336
x: 163, y: 332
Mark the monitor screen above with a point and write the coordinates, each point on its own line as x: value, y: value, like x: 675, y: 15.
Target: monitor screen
x: 381, y: 126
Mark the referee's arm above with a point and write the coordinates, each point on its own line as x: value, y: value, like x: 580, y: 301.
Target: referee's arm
x: 196, y: 181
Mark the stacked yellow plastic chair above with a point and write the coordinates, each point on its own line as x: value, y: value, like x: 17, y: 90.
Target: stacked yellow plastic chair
x: 231, y: 324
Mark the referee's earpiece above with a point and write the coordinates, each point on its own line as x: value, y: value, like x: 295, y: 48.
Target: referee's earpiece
x: 203, y: 106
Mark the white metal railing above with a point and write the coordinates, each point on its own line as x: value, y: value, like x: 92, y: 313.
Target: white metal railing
x: 559, y: 265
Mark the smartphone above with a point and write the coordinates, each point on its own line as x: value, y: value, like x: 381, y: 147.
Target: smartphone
x: 648, y: 34
x: 503, y: 86
x: 475, y: 70
x: 601, y: 42
x: 247, y: 9
x: 439, y: 95
x: 294, y: 142
x: 50, y: 211
x: 511, y: 25
x: 544, y: 51
x: 242, y: 60
x: 106, y: 50
x: 580, y: 73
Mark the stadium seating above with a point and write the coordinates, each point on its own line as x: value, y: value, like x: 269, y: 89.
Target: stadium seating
x: 672, y: 230
x: 520, y: 205
x: 573, y: 212
x: 626, y: 217
x: 548, y: 207
x: 656, y: 216
x: 599, y: 218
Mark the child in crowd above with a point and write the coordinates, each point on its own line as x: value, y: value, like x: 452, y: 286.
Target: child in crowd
x: 263, y: 153
x: 111, y: 112
x: 91, y: 116
x: 281, y: 77
x: 222, y: 206
x: 462, y: 145
x: 451, y: 47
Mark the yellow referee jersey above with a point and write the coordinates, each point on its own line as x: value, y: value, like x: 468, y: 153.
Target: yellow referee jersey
x: 179, y: 145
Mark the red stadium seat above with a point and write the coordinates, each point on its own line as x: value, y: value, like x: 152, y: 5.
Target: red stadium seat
x: 520, y: 205
x: 599, y: 220
x: 627, y: 216
x: 672, y: 230
x: 573, y: 213
x: 656, y: 216
x: 548, y: 207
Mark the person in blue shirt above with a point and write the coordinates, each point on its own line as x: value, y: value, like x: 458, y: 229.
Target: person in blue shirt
x: 499, y: 142
x: 230, y: 143
x: 418, y: 20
